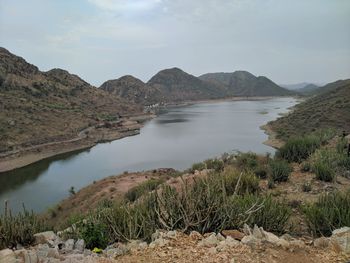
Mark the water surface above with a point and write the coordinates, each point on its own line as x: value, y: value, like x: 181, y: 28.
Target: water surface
x: 176, y: 139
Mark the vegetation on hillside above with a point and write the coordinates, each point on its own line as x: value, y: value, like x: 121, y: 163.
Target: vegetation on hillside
x: 329, y: 109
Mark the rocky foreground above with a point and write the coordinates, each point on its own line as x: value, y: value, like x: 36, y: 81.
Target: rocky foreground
x: 251, y: 245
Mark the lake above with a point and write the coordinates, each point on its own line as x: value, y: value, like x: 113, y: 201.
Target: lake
x: 175, y: 139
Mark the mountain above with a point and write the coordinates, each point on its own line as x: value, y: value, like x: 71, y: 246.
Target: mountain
x: 177, y: 85
x: 243, y: 83
x: 38, y: 107
x: 296, y: 86
x: 133, y: 89
x: 309, y: 89
x: 328, y: 109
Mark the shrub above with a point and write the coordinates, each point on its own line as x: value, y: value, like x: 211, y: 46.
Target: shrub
x: 279, y: 170
x: 306, y: 187
x: 324, y: 171
x: 299, y: 148
x: 261, y: 172
x: 145, y: 187
x: 341, y: 145
x: 94, y: 234
x: 215, y: 164
x: 246, y: 160
x: 331, y: 211
x: 198, y: 166
x: 248, y: 182
x: 19, y: 228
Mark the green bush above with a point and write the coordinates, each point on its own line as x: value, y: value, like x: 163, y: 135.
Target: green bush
x: 247, y: 160
x: 198, y: 167
x: 261, y: 172
x: 299, y: 148
x: 331, y: 211
x: 324, y: 171
x: 95, y: 234
x: 248, y: 182
x: 145, y: 187
x: 279, y: 170
x: 215, y: 164
x: 19, y: 228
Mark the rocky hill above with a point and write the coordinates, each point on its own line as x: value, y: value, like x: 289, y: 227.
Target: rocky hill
x: 38, y: 107
x: 329, y: 109
x: 243, y: 83
x: 177, y: 85
x: 309, y: 89
x: 133, y: 89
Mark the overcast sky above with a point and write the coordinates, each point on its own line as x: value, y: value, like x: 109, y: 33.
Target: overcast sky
x: 288, y: 41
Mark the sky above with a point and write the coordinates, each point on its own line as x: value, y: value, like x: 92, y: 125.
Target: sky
x: 289, y: 41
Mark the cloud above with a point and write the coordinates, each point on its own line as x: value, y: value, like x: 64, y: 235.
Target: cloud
x: 126, y: 5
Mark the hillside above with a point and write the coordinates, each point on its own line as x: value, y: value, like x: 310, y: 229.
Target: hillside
x: 243, y: 83
x: 329, y: 109
x: 133, y: 89
x: 177, y: 85
x: 38, y: 107
x: 309, y: 89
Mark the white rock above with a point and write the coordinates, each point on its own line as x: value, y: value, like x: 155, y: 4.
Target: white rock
x: 247, y: 230
x: 210, y: 241
x: 258, y: 232
x: 158, y: 242
x: 250, y: 241
x: 79, y: 245
x: 321, y: 242
x: 341, y: 237
x: 171, y: 234
x: 45, y: 237
x: 69, y: 244
x: 220, y: 237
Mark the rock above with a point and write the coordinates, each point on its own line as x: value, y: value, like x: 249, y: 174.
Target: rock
x: 228, y: 243
x: 195, y: 235
x: 209, y: 241
x: 272, y: 238
x: 220, y: 237
x: 69, y: 245
x: 341, y: 238
x: 43, y: 251
x: 287, y: 237
x: 171, y: 234
x: 258, y: 232
x: 7, y: 256
x: 297, y: 243
x: 251, y: 241
x: 27, y: 256
x: 136, y: 245
x: 45, y: 237
x: 118, y: 251
x: 246, y: 230
x: 80, y: 245
x: 157, y: 234
x: 158, y: 242
x: 321, y: 242
x: 53, y: 253
x: 233, y: 233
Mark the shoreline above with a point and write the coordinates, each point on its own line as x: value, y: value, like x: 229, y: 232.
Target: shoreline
x: 24, y: 157
x: 133, y: 124
x: 272, y: 140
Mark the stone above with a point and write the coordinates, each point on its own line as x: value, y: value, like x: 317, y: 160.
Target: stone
x: 45, y: 237
x: 321, y: 242
x: 220, y: 237
x: 209, y: 241
x: 258, y: 232
x: 341, y: 238
x: 53, y: 253
x: 287, y: 237
x: 43, y: 251
x: 250, y: 241
x: 246, y: 230
x: 171, y: 234
x: 118, y: 251
x: 233, y: 233
x: 158, y: 242
x: 157, y: 234
x: 7, y: 256
x: 80, y: 245
x: 195, y: 235
x: 297, y: 243
x: 69, y: 245
x: 272, y: 238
